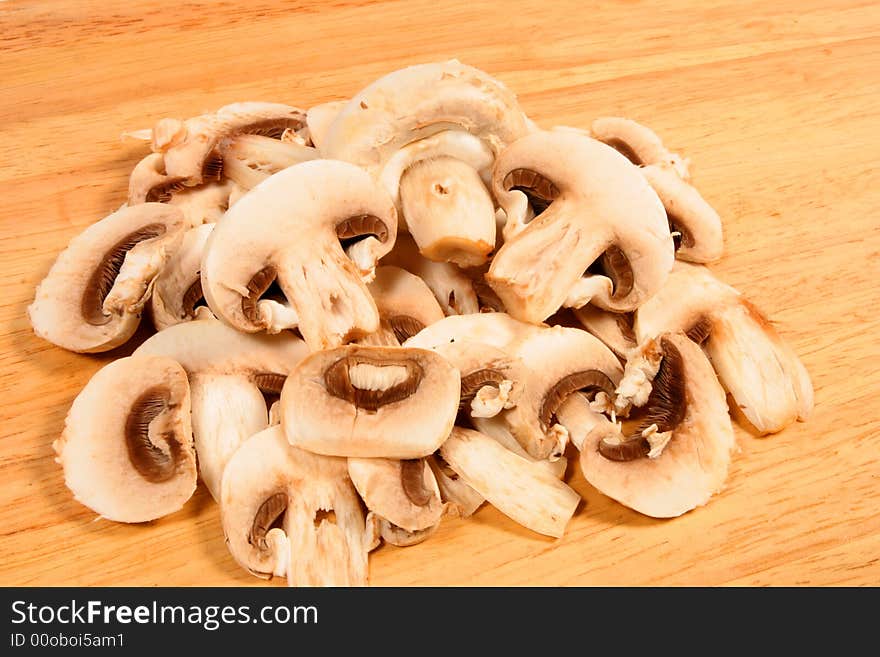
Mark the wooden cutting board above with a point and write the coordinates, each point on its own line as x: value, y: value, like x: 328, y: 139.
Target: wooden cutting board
x: 776, y: 104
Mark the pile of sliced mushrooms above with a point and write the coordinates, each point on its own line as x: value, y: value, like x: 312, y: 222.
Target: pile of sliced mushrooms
x: 382, y: 311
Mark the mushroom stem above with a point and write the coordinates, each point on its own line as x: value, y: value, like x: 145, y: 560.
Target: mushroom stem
x: 496, y: 429
x: 226, y: 411
x: 134, y: 283
x: 448, y: 211
x: 528, y: 495
x: 585, y: 426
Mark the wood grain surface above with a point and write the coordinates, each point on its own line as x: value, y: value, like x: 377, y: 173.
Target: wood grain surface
x: 777, y: 105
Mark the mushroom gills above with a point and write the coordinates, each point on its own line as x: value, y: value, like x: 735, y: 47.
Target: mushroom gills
x: 369, y: 384
x: 539, y: 190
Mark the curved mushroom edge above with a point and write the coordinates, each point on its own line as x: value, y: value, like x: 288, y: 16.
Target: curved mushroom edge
x: 638, y: 144
x: 404, y: 493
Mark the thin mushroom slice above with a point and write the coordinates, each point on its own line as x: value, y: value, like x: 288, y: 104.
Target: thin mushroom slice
x: 462, y: 500
x: 530, y: 496
x: 603, y: 238
x: 290, y: 231
x: 754, y: 363
x: 452, y: 288
x: 497, y: 330
x: 615, y: 330
x: 695, y: 225
x: 497, y: 429
x: 288, y: 512
x: 177, y: 294
x: 405, y: 304
x: 231, y: 375
x: 379, y: 529
x: 320, y: 117
x: 127, y: 448
x: 92, y: 298
x: 387, y: 402
x: 187, y: 145
x: 249, y: 159
x: 679, y: 455
x: 637, y: 143
x: 491, y: 379
x: 404, y: 493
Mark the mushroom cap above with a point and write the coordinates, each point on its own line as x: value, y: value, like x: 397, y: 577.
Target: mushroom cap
x: 287, y: 511
x: 404, y: 493
x: 417, y: 102
x: 405, y: 304
x: 178, y: 287
x: 387, y: 402
x: 689, y: 214
x: 756, y: 365
x: 320, y: 117
x: 529, y: 495
x: 126, y: 448
x: 637, y: 143
x: 186, y: 145
x: 601, y: 209
x: 694, y: 463
x: 615, y: 330
x: 288, y: 228
x: 452, y: 288
x: 118, y: 257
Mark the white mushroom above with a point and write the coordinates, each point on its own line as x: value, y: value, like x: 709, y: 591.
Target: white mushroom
x: 452, y: 288
x: 678, y: 455
x: 288, y: 229
x: 229, y: 373
x: 250, y: 159
x: 386, y: 402
x: 462, y: 500
x: 615, y: 330
x: 177, y: 293
x: 288, y: 512
x: 600, y: 235
x: 92, y: 298
x: 127, y: 447
x: 637, y: 143
x: 456, y: 116
x: 756, y: 365
x: 530, y: 496
x: 320, y: 117
x: 405, y: 304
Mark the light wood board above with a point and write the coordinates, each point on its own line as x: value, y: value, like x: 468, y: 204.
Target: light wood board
x: 777, y: 105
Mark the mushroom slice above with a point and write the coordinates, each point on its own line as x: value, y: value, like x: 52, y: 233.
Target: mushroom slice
x: 177, y: 294
x: 386, y: 402
x: 230, y: 374
x: 452, y: 288
x: 391, y: 533
x: 497, y: 429
x: 637, y: 143
x: 286, y: 511
x: 250, y: 159
x: 615, y: 330
x: 463, y: 500
x: 92, y: 297
x: 320, y: 117
x: 126, y: 448
x: 754, y: 363
x: 428, y: 131
x: 405, y: 304
x: 528, y: 495
x: 403, y: 493
x: 679, y: 454
x: 498, y: 330
x: 187, y: 145
x: 289, y: 229
x: 695, y: 226
x: 603, y: 238
x: 207, y: 203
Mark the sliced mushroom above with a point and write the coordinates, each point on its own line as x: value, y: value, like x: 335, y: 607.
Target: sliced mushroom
x: 603, y: 237
x: 320, y: 117
x: 461, y: 498
x: 249, y: 159
x: 756, y: 365
x: 452, y: 288
x: 378, y: 528
x: 497, y: 330
x: 92, y: 298
x: 615, y: 330
x: 427, y: 131
x: 386, y: 402
x: 288, y: 512
x: 230, y: 374
x: 405, y: 304
x: 695, y: 226
x: 403, y: 493
x: 288, y: 229
x: 187, y: 145
x: 126, y: 448
x: 637, y: 143
x: 207, y: 203
x: 530, y: 496
x: 177, y: 294
x: 679, y: 454
x: 497, y: 429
